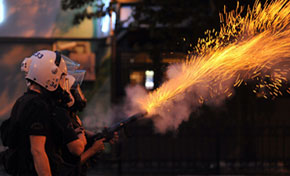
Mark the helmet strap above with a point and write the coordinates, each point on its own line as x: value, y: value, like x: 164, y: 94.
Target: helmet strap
x: 58, y: 58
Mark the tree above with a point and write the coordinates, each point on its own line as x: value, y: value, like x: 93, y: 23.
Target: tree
x: 176, y: 24
x: 84, y: 12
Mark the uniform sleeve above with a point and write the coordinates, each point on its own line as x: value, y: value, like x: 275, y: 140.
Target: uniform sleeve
x: 37, y: 120
x: 63, y: 121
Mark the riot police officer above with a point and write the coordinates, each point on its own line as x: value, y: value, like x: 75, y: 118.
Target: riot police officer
x: 77, y: 105
x: 34, y: 133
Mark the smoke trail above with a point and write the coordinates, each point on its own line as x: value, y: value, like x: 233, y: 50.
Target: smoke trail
x: 254, y: 47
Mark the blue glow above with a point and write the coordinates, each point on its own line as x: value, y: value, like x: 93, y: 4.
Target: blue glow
x: 1, y: 11
x: 107, y: 19
x: 107, y: 3
x: 106, y: 24
x: 114, y: 19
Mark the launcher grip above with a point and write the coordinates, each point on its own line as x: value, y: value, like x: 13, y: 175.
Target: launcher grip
x: 108, y: 133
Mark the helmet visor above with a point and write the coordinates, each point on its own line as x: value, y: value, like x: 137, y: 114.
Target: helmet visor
x: 70, y: 64
x: 79, y: 77
x: 72, y: 69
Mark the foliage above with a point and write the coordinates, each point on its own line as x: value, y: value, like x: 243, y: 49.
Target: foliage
x: 176, y: 23
x: 82, y: 5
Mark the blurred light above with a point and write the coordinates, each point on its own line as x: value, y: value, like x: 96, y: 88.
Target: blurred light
x: 136, y: 77
x: 106, y: 18
x: 1, y: 11
x: 149, y: 79
x: 126, y: 15
x: 106, y: 22
x: 106, y: 3
x: 114, y: 19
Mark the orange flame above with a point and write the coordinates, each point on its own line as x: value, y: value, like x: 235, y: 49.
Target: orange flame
x: 250, y: 47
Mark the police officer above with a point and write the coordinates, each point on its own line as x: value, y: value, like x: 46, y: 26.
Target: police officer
x: 79, y: 103
x: 34, y: 131
x: 72, y: 104
x: 73, y: 100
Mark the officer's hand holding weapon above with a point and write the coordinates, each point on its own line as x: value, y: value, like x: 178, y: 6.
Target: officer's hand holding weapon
x: 111, y: 134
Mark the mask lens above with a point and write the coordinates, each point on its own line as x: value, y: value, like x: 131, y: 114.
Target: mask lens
x: 64, y: 83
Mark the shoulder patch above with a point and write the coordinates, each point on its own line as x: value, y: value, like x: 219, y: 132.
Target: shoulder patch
x: 36, y: 126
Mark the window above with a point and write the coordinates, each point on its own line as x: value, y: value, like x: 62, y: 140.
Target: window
x: 137, y: 77
x: 149, y: 79
x: 125, y: 16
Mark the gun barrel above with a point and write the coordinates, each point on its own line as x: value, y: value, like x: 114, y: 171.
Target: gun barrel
x: 130, y: 119
x: 108, y: 133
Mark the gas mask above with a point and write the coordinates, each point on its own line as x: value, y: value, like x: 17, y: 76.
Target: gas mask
x: 62, y: 97
x: 80, y: 100
x: 63, y: 94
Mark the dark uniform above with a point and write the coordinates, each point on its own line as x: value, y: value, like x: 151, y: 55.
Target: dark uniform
x: 36, y: 114
x: 72, y: 161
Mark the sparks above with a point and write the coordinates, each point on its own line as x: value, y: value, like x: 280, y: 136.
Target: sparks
x: 252, y: 47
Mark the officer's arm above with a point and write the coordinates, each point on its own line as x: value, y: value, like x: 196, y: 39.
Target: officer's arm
x: 40, y: 158
x: 75, y: 142
x: 76, y: 147
x: 98, y: 146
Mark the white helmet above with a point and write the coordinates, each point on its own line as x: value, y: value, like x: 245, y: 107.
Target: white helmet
x: 25, y: 65
x: 46, y: 68
x: 25, y: 68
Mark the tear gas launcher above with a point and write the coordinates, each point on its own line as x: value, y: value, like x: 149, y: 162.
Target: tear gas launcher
x: 108, y: 133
